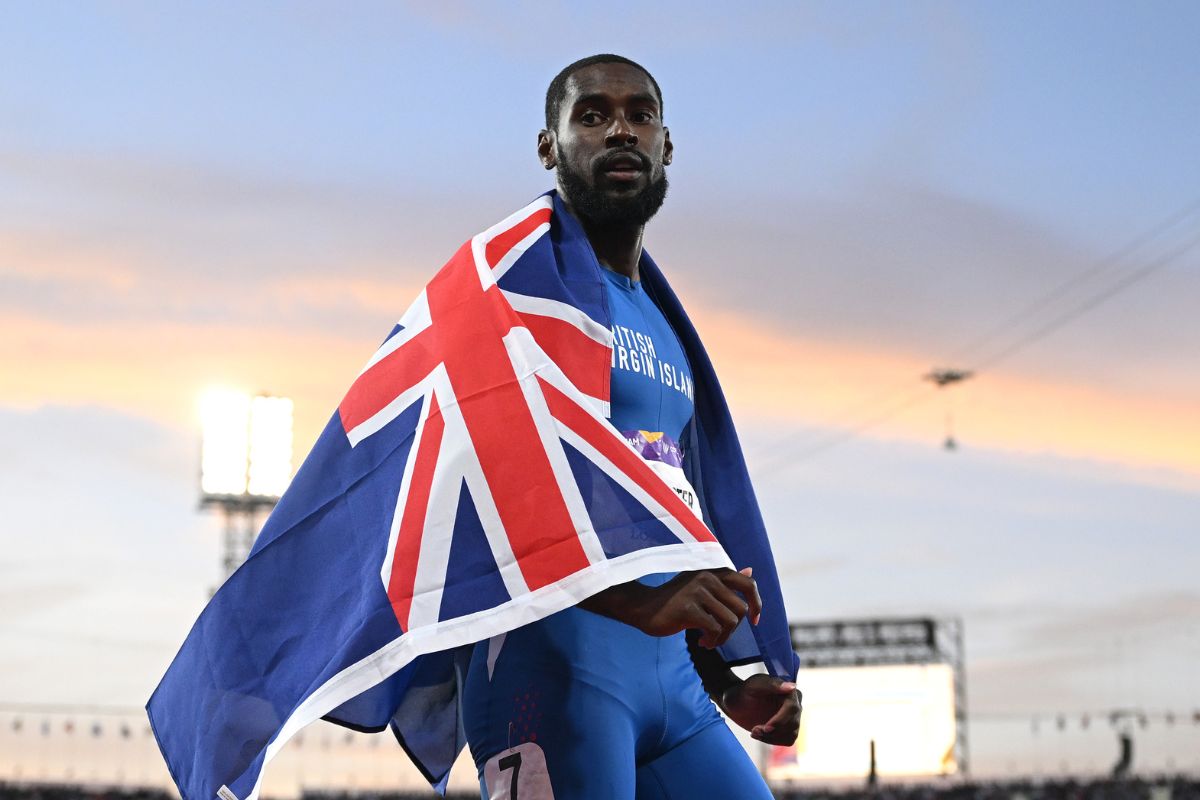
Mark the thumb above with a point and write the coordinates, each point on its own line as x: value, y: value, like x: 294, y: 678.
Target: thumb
x: 747, y: 571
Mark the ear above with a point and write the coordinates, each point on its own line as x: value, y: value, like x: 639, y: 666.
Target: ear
x: 668, y: 148
x: 546, y: 149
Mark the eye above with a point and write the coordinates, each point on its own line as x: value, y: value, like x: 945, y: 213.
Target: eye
x: 591, y: 118
x: 642, y: 116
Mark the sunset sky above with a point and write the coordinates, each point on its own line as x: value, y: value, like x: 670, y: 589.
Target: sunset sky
x: 248, y: 195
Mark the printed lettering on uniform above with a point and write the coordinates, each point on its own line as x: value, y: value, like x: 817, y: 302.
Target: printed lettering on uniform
x: 633, y: 351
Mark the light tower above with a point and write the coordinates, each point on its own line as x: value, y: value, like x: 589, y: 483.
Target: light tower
x: 245, y: 463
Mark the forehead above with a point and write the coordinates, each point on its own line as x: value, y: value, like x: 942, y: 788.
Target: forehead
x: 616, y: 81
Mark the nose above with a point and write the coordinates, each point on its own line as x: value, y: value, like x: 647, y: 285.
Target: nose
x: 620, y: 133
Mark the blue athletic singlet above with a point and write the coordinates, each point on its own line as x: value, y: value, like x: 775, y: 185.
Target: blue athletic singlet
x: 578, y: 706
x: 651, y: 383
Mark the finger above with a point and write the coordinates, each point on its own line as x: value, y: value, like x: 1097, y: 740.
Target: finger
x: 788, y: 715
x: 710, y: 629
x: 746, y: 585
x: 727, y: 619
x: 742, y: 582
x: 771, y: 684
x: 765, y: 733
x: 782, y: 734
x: 778, y: 737
x: 729, y: 599
x: 784, y: 726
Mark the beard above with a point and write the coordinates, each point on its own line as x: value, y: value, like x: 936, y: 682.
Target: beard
x: 593, y: 205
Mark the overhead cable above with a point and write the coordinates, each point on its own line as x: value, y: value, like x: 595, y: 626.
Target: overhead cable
x: 905, y: 398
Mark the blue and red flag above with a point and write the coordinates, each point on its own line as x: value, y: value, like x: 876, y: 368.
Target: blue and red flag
x: 468, y: 484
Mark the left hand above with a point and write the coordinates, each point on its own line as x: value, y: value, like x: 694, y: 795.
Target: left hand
x: 767, y: 706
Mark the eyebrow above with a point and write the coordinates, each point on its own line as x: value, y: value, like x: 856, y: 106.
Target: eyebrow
x: 597, y: 98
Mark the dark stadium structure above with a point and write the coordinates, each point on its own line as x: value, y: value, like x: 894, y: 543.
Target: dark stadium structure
x: 1163, y: 788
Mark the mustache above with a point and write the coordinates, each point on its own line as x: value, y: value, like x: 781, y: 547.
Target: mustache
x: 623, y: 153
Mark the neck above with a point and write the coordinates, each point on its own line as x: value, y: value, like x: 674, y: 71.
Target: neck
x: 617, y: 247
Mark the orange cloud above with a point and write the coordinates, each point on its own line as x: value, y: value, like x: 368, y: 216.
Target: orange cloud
x: 789, y: 381
x: 157, y: 369
x: 48, y: 258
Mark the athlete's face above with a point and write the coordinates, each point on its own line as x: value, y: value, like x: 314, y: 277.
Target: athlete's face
x: 610, y: 145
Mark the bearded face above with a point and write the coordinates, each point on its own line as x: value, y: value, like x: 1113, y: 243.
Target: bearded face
x: 590, y: 197
x: 609, y: 146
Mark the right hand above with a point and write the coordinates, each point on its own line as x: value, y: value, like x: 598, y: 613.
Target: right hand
x: 712, y: 601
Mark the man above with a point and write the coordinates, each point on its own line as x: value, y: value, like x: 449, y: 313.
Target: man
x: 608, y: 699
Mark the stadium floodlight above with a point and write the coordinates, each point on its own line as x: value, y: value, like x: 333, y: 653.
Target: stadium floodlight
x: 270, y: 453
x: 224, y: 452
x: 246, y: 454
x: 245, y: 462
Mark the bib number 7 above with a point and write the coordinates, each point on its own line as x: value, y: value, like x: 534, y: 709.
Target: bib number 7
x: 518, y: 773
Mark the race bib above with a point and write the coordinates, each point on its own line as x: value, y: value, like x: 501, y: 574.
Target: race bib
x: 665, y: 457
x: 518, y: 773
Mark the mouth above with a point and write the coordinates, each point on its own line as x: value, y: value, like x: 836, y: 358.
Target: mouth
x: 623, y: 167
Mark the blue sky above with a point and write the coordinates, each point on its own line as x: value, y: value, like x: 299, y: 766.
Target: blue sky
x: 249, y: 194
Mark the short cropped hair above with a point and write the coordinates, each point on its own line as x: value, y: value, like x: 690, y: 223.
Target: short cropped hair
x: 557, y: 91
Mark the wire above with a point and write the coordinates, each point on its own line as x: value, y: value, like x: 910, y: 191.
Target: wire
x: 1129, y: 280
x: 1103, y: 265
x: 778, y: 458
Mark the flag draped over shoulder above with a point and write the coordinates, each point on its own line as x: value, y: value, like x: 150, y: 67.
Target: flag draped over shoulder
x: 469, y: 483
